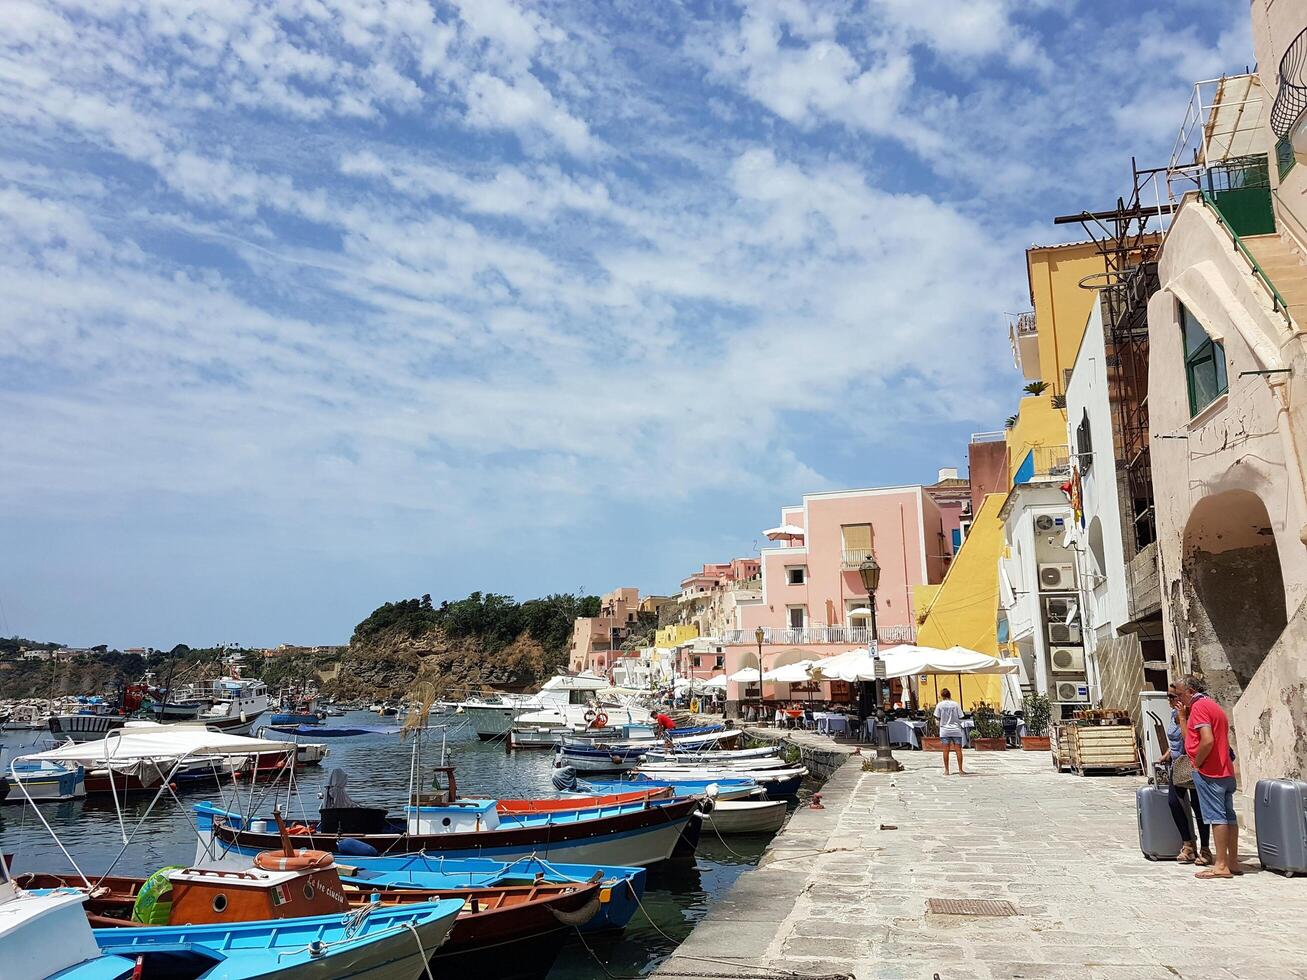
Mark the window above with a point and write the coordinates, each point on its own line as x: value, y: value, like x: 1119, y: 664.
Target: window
x: 694, y: 661
x: 796, y: 574
x: 719, y: 661
x: 797, y: 615
x: 857, y: 541
x: 1204, y: 363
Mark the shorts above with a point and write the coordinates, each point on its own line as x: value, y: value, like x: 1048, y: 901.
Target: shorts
x: 1215, y: 798
x: 947, y: 740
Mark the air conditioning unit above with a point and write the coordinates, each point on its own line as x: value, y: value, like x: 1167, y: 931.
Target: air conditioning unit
x: 1071, y: 692
x: 1057, y: 578
x: 1044, y: 523
x: 1067, y: 660
x: 1063, y: 633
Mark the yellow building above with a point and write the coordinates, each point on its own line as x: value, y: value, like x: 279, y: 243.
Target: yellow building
x: 960, y: 611
x: 670, y: 636
x: 1045, y: 341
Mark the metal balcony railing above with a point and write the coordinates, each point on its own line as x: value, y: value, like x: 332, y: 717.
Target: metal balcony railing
x: 853, y: 557
x: 994, y: 435
x: 1025, y: 324
x: 850, y: 635
x: 1291, y: 97
x: 1044, y: 463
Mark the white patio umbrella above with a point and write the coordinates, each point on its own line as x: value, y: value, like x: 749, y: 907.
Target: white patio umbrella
x: 784, y: 531
x: 796, y: 673
x: 717, y: 683
x: 749, y: 675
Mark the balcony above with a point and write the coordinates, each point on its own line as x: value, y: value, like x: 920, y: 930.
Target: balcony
x: 1024, y: 337
x: 848, y: 635
x: 851, y: 558
x: 1044, y: 464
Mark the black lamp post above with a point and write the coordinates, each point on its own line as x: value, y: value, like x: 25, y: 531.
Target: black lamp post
x: 759, y: 635
x: 869, y: 572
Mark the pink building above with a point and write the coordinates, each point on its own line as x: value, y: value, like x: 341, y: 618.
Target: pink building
x: 596, y: 640
x: 812, y: 603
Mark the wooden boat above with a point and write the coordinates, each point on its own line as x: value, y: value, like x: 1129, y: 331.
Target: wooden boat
x: 676, y: 754
x: 84, y: 726
x: 326, y: 732
x: 734, y: 788
x: 620, y: 889
x: 44, y: 782
x: 746, y: 816
x: 637, y: 833
x: 778, y: 783
x: 511, y: 931
x: 46, y: 933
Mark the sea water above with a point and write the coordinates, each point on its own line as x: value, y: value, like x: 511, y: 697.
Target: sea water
x: 378, y: 768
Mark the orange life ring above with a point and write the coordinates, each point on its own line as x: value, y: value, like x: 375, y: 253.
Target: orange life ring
x: 600, y: 721
x: 301, y: 860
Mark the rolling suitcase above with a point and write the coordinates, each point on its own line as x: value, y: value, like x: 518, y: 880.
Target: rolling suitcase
x: 1159, y: 838
x: 1281, y: 812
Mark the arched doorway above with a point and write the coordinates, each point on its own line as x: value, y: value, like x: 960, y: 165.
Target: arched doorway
x: 1234, y: 587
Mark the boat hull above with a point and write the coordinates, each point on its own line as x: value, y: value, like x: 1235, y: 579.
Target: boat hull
x: 638, y: 838
x: 84, y: 728
x: 492, y: 721
x: 746, y: 816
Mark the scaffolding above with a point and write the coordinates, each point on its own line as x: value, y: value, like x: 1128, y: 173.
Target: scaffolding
x: 1128, y: 237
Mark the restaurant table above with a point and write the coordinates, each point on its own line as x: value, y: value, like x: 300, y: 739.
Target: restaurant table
x: 829, y: 723
x: 901, y: 731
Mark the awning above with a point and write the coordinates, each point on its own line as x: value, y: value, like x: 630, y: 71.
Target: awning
x: 142, y: 747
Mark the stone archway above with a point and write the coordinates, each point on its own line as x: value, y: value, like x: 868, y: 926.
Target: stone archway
x: 1234, y: 589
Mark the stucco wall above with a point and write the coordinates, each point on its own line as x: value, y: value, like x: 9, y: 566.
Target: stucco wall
x: 1061, y: 306
x: 1038, y: 424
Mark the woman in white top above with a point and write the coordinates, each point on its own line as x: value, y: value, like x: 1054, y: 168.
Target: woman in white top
x: 949, y: 715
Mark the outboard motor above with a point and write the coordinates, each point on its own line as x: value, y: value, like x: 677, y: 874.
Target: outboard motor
x: 565, y: 779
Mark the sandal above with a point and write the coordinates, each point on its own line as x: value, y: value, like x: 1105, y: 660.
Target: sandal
x: 1186, y: 855
x: 1204, y: 859
x: 1210, y: 875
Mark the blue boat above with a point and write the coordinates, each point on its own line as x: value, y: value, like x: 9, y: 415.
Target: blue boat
x: 621, y: 890
x: 321, y: 732
x: 296, y: 718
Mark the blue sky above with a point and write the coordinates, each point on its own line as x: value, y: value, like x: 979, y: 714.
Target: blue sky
x: 311, y: 304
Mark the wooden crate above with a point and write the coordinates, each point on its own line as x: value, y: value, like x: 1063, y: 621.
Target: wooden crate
x: 1059, y: 743
x: 1103, y: 748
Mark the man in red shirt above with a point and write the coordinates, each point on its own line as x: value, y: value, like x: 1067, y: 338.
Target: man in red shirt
x: 664, y: 723
x: 1207, y: 743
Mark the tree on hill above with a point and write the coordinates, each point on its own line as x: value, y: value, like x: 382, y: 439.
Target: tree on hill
x: 492, y: 620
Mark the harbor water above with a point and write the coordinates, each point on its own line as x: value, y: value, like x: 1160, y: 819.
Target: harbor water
x: 378, y: 767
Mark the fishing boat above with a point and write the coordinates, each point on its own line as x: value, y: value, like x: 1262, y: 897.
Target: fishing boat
x: 440, y: 822
x: 512, y: 931
x: 621, y: 756
x: 327, y: 732
x: 680, y: 751
x: 746, y: 816
x: 237, y: 703
x: 46, y: 933
x: 85, y: 725
x: 621, y: 889
x: 734, y: 788
x: 26, y: 718
x: 778, y: 783
x: 43, y: 782
x: 506, y: 807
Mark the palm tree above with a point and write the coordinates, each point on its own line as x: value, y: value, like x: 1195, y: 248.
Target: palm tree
x: 1036, y: 388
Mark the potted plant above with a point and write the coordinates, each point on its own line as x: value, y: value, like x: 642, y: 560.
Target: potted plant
x: 1038, y: 711
x: 930, y: 740
x: 987, y: 736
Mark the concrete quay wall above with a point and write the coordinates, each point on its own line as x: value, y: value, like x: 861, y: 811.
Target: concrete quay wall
x: 819, y: 753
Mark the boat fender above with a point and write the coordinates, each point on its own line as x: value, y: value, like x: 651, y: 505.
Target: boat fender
x: 153, y: 904
x: 580, y: 916
x: 301, y: 860
x: 707, y: 804
x: 356, y: 848
x: 589, y: 714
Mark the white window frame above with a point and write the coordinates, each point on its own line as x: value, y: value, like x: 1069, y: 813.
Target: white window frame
x: 789, y: 618
x: 801, y: 569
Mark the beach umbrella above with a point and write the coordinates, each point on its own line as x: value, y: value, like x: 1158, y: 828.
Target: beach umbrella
x: 788, y: 531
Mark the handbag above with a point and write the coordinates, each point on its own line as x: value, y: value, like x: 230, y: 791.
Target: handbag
x: 1182, y: 772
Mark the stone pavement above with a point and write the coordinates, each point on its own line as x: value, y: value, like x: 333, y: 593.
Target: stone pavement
x: 841, y: 893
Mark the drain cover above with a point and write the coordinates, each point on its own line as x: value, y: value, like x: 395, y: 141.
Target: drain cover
x: 970, y: 906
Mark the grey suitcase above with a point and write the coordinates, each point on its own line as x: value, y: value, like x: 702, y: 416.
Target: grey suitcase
x: 1281, y: 812
x: 1159, y: 838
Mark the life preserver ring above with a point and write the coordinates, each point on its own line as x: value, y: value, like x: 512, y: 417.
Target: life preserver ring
x: 301, y: 860
x: 590, y: 715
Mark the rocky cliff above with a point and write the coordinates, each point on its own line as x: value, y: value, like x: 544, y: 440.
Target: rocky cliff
x: 390, y: 663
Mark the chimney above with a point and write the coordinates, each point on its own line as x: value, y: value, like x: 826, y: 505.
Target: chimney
x: 947, y: 473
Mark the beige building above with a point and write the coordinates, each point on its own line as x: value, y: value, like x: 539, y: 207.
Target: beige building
x: 1228, y: 408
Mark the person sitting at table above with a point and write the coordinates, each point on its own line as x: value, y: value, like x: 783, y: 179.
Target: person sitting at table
x: 949, y: 715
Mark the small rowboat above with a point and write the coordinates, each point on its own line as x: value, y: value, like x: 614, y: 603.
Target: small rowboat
x: 746, y: 816
x: 507, y: 807
x: 779, y: 783
x: 727, y: 789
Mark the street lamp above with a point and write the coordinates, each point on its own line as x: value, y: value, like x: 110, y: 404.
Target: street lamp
x: 869, y: 572
x: 759, y: 635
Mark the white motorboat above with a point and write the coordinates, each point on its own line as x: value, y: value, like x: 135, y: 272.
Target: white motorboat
x: 566, y: 701
x: 237, y: 704
x: 746, y: 816
x: 687, y: 752
x: 26, y: 718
